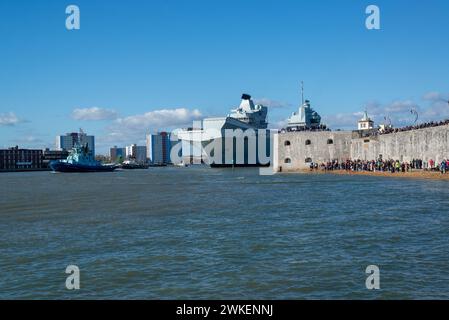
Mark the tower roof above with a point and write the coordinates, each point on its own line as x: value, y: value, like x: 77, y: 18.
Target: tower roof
x: 365, y: 117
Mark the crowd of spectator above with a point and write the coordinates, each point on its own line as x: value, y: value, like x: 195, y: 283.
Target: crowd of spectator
x: 383, y: 165
x: 321, y: 127
x: 415, y: 127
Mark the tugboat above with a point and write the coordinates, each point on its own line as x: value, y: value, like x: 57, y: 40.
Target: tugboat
x: 79, y: 160
x: 132, y: 164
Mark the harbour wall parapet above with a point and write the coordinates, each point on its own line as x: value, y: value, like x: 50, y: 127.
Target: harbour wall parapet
x: 297, y: 150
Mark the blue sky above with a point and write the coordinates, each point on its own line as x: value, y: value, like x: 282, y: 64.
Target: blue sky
x: 140, y: 66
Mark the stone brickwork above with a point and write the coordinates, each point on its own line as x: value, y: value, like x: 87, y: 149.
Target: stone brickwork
x: 295, y: 150
x: 425, y: 144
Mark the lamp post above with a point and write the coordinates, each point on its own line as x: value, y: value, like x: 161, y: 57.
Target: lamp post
x: 415, y: 113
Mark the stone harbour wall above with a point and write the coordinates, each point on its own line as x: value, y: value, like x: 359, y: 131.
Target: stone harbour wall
x: 425, y: 144
x: 296, y: 150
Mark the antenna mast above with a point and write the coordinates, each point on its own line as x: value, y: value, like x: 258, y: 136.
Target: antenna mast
x: 302, y: 92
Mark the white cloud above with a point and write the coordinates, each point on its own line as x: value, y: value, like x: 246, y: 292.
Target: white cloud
x: 278, y: 124
x: 154, y: 120
x: 133, y: 129
x: 271, y: 103
x: 342, y: 120
x: 119, y: 138
x: 436, y: 97
x: 437, y: 111
x: 94, y: 113
x: 397, y: 107
x: 398, y: 112
x: 29, y: 139
x: 439, y: 106
x: 8, y: 119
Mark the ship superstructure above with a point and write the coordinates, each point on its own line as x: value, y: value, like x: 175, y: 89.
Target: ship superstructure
x: 251, y: 114
x: 306, y: 118
x: 247, y: 117
x: 80, y: 160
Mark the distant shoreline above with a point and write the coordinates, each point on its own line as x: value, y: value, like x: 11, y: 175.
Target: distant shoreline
x: 417, y: 174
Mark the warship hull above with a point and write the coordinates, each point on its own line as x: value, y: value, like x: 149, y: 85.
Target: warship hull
x: 71, y: 167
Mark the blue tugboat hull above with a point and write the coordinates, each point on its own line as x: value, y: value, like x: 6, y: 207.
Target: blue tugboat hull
x: 71, y: 167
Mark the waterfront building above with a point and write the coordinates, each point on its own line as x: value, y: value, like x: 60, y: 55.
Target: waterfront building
x: 137, y: 153
x: 69, y: 140
x: 117, y: 154
x: 365, y: 123
x: 15, y: 159
x: 159, y: 147
x: 53, y: 155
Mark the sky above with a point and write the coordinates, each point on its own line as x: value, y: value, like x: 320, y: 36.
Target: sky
x: 136, y: 67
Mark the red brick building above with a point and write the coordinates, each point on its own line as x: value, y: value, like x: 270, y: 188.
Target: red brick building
x: 15, y: 159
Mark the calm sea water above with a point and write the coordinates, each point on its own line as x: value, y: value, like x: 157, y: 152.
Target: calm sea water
x: 194, y: 233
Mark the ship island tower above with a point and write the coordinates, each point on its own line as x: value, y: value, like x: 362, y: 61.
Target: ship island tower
x: 306, y: 118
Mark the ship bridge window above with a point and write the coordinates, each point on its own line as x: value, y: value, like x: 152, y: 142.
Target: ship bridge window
x: 330, y: 141
x: 308, y: 142
x: 287, y: 143
x: 288, y: 160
